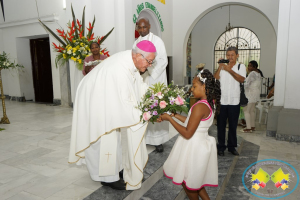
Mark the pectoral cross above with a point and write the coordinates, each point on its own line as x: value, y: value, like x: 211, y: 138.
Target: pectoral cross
x: 108, y: 155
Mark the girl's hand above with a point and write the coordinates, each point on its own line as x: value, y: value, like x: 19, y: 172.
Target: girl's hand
x: 173, y: 114
x: 165, y: 117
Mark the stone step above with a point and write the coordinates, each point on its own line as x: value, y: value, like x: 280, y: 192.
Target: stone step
x: 165, y: 189
x: 156, y: 186
x: 152, y: 173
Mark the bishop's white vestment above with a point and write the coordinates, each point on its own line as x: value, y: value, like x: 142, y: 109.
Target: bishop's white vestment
x: 157, y: 133
x: 106, y: 101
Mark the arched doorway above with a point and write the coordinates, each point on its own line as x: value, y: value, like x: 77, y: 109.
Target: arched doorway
x: 210, y: 26
x: 155, y: 27
x: 244, y: 39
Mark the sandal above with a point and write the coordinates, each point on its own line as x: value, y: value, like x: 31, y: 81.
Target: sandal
x: 246, y: 130
x: 241, y: 124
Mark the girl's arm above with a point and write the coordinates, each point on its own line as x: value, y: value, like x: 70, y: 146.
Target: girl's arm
x: 199, y: 112
x: 180, y: 117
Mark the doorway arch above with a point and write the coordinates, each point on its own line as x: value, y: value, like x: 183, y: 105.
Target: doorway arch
x: 212, y: 24
x: 244, y: 39
x: 155, y: 26
x: 183, y: 26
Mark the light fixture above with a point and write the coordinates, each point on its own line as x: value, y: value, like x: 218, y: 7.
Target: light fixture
x: 228, y: 27
x: 64, y: 4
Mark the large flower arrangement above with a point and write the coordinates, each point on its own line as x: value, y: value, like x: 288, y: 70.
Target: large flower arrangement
x: 6, y: 64
x: 161, y: 99
x: 74, y: 44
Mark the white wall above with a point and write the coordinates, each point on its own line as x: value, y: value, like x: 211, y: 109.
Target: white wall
x: 212, y: 25
x: 25, y: 75
x: 22, y: 23
x: 187, y: 14
x: 292, y: 91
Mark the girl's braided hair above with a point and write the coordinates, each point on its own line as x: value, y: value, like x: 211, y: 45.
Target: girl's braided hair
x: 212, y: 89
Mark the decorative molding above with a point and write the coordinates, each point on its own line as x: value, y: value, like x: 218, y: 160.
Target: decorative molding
x: 14, y: 98
x: 46, y: 18
x: 56, y: 102
x: 289, y: 138
x: 271, y: 133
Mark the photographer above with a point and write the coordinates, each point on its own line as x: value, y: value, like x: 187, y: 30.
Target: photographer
x: 230, y: 78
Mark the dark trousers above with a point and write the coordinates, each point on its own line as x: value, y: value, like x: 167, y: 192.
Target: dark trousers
x: 230, y: 112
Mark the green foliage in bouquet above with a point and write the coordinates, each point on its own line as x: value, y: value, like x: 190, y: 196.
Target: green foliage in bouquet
x: 161, y: 99
x: 6, y: 64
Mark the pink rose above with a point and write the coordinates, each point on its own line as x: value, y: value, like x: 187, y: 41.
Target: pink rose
x: 179, y: 101
x: 147, y: 116
x: 163, y: 104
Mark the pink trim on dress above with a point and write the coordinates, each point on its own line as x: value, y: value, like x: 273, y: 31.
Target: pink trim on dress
x: 210, y: 185
x: 205, y: 102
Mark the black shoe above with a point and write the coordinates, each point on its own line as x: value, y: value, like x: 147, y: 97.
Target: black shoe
x: 234, y: 152
x: 159, y: 148
x: 118, y: 185
x: 121, y: 174
x: 220, y: 153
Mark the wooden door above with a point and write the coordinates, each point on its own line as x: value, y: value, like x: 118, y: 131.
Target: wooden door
x: 41, y: 70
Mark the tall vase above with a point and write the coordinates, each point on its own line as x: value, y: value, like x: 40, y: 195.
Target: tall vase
x: 4, y: 119
x: 76, y: 77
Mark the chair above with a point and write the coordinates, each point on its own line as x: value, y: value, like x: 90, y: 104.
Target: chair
x: 264, y: 105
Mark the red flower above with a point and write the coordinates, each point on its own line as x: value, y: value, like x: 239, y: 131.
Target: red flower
x: 91, y: 38
x: 79, y: 25
x: 90, y: 26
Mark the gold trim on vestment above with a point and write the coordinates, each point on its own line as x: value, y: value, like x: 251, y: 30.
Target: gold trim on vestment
x: 76, y: 154
x: 135, y: 163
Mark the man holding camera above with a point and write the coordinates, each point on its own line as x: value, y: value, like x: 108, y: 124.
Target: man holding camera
x: 230, y: 76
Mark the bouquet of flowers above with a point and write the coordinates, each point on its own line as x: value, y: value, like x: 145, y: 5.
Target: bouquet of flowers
x: 74, y: 44
x: 93, y: 63
x: 161, y: 99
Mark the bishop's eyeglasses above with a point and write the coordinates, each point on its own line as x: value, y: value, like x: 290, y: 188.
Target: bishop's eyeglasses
x: 150, y: 62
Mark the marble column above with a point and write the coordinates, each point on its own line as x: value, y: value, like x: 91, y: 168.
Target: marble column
x: 65, y: 85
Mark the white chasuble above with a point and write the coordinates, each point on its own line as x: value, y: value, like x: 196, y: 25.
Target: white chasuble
x: 106, y: 100
x: 157, y: 133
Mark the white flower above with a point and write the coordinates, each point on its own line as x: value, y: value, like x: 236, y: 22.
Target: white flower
x: 69, y: 52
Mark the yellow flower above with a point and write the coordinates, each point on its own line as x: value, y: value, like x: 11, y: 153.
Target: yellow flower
x: 69, y: 48
x: 74, y: 41
x: 83, y: 37
x: 72, y: 58
x: 65, y: 56
x: 77, y: 47
x: 79, y: 60
x: 81, y: 44
x: 74, y: 50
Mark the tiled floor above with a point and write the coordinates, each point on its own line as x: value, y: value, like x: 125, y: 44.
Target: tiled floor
x: 34, y: 151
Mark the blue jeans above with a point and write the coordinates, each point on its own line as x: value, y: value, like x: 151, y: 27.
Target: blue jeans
x: 230, y: 112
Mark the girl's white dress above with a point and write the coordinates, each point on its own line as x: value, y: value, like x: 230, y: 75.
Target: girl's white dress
x: 194, y: 161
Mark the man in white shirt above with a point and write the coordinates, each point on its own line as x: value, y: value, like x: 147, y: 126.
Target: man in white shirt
x: 230, y: 78
x: 159, y: 133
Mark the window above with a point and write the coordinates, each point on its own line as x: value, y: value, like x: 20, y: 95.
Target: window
x: 244, y: 39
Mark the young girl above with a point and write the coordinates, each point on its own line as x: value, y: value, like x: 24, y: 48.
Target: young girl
x: 192, y: 162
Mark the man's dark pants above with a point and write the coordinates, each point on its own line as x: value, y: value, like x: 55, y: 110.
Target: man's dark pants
x: 230, y: 112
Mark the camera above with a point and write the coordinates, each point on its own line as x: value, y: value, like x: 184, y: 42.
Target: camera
x: 223, y: 61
